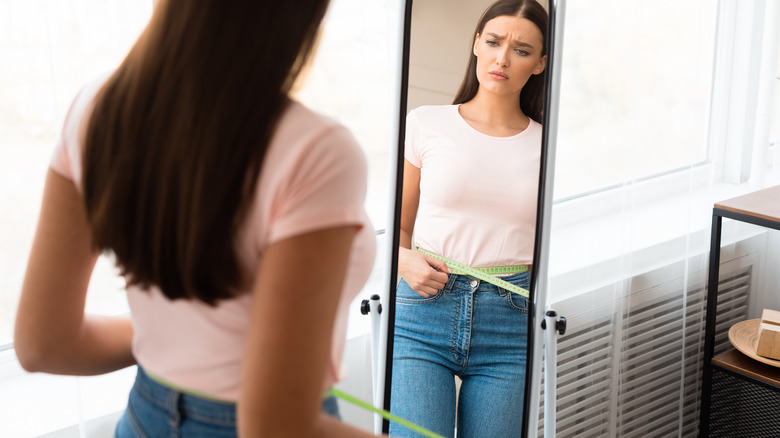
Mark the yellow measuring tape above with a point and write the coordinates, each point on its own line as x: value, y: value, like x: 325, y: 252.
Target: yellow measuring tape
x: 484, y: 274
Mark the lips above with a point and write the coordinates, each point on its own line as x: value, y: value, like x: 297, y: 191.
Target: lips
x: 498, y: 75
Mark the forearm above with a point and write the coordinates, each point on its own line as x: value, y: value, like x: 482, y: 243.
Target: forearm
x: 106, y: 341
x: 405, y: 239
x: 99, y: 345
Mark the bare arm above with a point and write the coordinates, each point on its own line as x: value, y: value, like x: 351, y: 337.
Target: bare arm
x: 288, y: 350
x: 52, y: 332
x: 410, y: 200
x: 413, y: 267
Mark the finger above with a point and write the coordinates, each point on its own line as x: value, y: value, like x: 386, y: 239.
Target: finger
x: 434, y: 285
x: 428, y: 288
x: 424, y: 291
x: 440, y: 265
x: 436, y: 278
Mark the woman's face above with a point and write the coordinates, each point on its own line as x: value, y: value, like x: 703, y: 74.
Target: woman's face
x: 508, y: 51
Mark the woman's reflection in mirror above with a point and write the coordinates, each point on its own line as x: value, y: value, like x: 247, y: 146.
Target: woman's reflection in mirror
x: 470, y: 188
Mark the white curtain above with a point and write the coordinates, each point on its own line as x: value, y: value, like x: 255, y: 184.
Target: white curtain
x: 48, y: 50
x: 666, y: 108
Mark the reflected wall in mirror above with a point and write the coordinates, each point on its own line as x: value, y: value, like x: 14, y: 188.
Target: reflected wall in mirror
x: 472, y: 149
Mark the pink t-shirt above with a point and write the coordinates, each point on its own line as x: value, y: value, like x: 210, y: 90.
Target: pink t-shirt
x: 478, y: 193
x: 313, y: 177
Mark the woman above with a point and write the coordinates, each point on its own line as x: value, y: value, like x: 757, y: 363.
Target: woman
x: 234, y: 213
x: 469, y: 195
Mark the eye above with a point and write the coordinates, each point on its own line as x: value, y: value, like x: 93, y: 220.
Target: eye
x: 491, y: 43
x: 521, y: 52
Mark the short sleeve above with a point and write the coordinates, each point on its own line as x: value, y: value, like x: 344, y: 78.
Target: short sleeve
x: 62, y: 159
x: 326, y: 187
x: 412, y: 140
x: 66, y: 159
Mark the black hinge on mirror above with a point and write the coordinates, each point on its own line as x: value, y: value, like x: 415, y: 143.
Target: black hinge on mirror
x: 560, y: 323
x: 365, y: 305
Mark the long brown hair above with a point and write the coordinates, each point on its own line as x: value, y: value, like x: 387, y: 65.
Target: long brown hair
x: 178, y: 134
x: 532, y: 95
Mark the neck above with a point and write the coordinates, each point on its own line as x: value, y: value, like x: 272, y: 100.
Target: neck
x: 496, y: 109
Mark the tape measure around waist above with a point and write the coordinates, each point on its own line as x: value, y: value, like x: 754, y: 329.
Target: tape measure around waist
x: 330, y: 392
x: 484, y: 274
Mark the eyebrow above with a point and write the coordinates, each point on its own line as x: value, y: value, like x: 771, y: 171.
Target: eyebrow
x: 517, y: 43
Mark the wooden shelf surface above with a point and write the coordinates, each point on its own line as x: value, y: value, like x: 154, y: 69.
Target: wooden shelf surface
x: 736, y: 361
x: 764, y: 204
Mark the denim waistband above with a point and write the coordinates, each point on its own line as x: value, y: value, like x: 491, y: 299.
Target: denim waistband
x: 464, y: 282
x: 175, y: 401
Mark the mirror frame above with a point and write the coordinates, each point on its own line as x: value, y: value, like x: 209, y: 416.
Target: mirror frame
x: 543, y: 213
x: 539, y: 275
x: 388, y: 313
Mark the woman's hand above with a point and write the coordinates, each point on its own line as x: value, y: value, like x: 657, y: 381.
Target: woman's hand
x: 425, y: 274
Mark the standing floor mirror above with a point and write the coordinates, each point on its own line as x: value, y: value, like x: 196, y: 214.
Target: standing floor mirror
x: 474, y: 184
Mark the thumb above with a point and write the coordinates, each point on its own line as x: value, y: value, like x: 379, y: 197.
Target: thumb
x: 440, y: 265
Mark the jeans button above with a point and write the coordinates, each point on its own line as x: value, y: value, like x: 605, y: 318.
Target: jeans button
x: 473, y: 283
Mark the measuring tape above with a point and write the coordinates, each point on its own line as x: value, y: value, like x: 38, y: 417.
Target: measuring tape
x: 365, y: 405
x: 484, y: 274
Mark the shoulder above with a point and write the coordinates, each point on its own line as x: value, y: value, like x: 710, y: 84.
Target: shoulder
x: 426, y: 112
x: 534, y: 125
x: 69, y: 146
x: 432, y: 117
x: 306, y: 144
x: 81, y: 107
x: 83, y: 102
x: 534, y: 130
x: 302, y: 133
x: 301, y: 128
x: 314, y: 175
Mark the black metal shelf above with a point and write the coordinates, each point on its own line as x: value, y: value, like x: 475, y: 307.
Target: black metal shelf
x: 745, y: 389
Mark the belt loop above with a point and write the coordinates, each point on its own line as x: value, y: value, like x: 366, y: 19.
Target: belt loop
x: 173, y: 402
x: 450, y: 282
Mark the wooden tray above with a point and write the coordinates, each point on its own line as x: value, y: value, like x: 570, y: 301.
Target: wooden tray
x: 744, y: 337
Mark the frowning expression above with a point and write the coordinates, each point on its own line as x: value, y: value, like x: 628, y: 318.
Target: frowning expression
x: 508, y: 51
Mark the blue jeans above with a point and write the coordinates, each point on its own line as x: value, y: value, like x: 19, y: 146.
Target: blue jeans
x: 470, y: 329
x: 154, y: 410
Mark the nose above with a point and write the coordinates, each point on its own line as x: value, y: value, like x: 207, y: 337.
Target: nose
x: 502, y: 59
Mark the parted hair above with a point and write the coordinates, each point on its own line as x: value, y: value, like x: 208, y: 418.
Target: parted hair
x: 177, y: 135
x: 532, y: 95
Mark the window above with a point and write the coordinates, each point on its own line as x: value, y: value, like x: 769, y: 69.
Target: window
x: 53, y: 50
x: 635, y: 90
x: 774, y: 136
x: 351, y: 80
x: 50, y: 49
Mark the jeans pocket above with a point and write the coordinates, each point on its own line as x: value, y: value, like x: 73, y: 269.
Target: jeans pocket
x: 517, y: 302
x: 129, y: 426
x: 404, y: 294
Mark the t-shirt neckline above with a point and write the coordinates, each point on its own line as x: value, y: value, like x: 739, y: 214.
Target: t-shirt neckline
x: 491, y: 137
